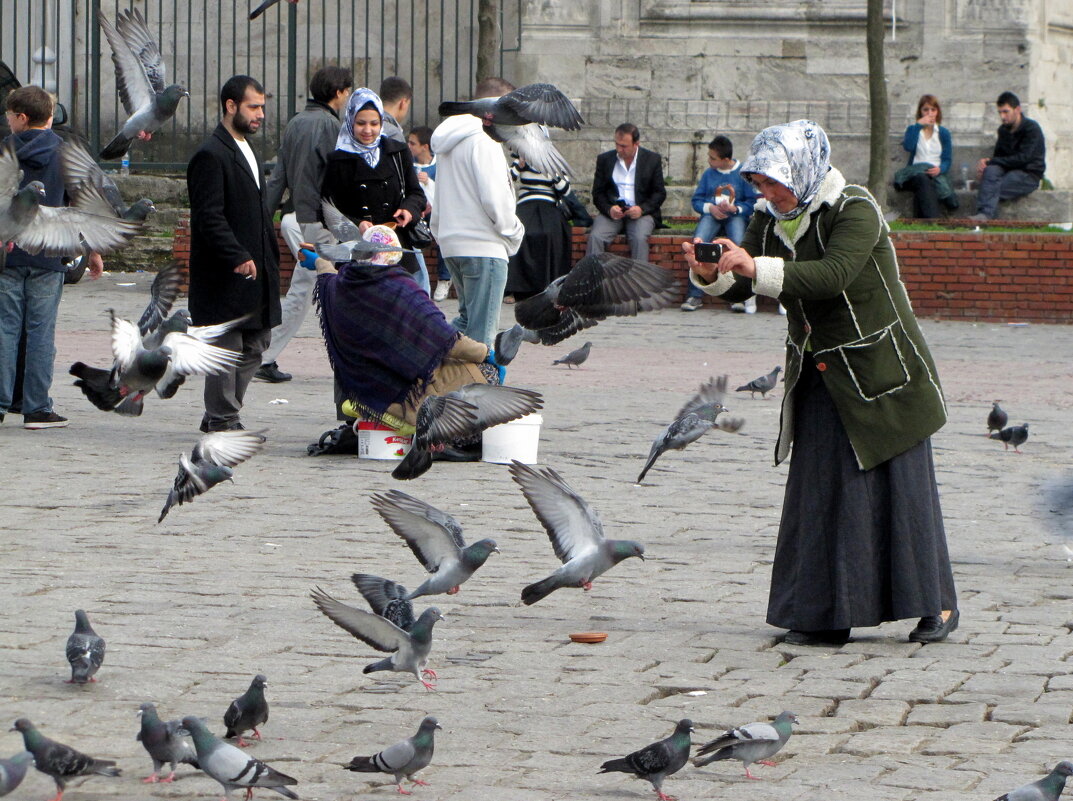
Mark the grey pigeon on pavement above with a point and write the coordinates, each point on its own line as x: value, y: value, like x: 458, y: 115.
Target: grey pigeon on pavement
x: 575, y: 531
x: 387, y: 598
x: 460, y: 416
x: 140, y: 79
x: 409, y: 650
x: 248, y: 711
x: 1014, y: 435
x: 80, y: 170
x: 996, y: 418
x: 210, y: 463
x: 693, y: 421
x: 599, y: 286
x: 657, y: 761
x: 232, y: 767
x: 435, y: 539
x: 13, y: 771
x: 754, y: 742
x: 764, y: 384
x: 267, y: 4
x: 166, y: 742
x: 1049, y: 788
x: 402, y: 759
x: 60, y: 761
x: 85, y: 650
x: 576, y: 357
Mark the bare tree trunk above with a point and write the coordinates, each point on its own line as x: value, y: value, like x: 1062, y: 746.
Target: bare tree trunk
x: 489, y: 38
x: 879, y: 106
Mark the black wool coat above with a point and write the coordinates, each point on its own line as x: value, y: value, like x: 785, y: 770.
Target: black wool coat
x: 230, y: 224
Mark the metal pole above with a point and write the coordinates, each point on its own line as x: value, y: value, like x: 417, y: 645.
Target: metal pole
x: 93, y: 59
x: 292, y: 58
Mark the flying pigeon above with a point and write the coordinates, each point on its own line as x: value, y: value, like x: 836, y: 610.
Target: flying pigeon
x: 996, y: 418
x: 13, y: 771
x: 575, y: 530
x: 248, y: 711
x: 60, y: 761
x: 410, y: 649
x: 80, y: 170
x: 232, y: 767
x: 693, y: 421
x: 754, y: 742
x: 575, y: 358
x: 267, y: 4
x: 1049, y: 788
x: 402, y: 759
x: 85, y: 650
x: 459, y: 416
x: 140, y: 79
x: 764, y: 384
x: 387, y: 598
x: 435, y: 539
x: 1014, y: 435
x: 89, y: 223
x: 211, y: 463
x: 599, y: 286
x: 166, y: 743
x: 656, y: 762
x: 351, y: 247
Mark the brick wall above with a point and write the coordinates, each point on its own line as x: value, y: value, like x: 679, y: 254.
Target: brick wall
x: 953, y: 276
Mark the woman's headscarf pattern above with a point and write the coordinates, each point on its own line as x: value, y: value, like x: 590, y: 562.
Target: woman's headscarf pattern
x: 796, y: 154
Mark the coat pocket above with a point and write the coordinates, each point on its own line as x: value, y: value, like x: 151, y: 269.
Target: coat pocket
x: 876, y: 363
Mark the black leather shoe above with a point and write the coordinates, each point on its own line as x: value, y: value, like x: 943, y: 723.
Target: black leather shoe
x: 934, y: 629
x: 272, y: 374
x: 822, y: 637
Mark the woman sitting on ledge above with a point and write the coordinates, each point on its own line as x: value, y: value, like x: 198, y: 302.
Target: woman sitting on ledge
x: 931, y: 150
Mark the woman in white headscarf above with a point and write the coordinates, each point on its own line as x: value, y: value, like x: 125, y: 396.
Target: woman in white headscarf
x: 371, y: 178
x: 861, y: 540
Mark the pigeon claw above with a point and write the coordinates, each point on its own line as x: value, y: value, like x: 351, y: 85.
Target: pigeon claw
x: 151, y: 779
x: 429, y: 672
x: 751, y: 776
x: 586, y: 585
x: 428, y: 685
x: 241, y: 743
x: 169, y: 779
x: 767, y: 762
x: 145, y: 136
x: 453, y: 590
x: 256, y: 733
x: 419, y: 783
x: 403, y: 792
x: 664, y: 797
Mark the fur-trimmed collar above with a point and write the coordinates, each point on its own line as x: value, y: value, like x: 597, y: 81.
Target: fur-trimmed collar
x: 830, y: 190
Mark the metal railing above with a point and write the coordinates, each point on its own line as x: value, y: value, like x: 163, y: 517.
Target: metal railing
x: 59, y: 45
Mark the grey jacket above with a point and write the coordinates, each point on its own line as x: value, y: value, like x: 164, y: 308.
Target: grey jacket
x: 303, y: 156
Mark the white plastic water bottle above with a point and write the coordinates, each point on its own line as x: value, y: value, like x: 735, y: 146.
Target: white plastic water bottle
x: 965, y: 176
x: 124, y: 165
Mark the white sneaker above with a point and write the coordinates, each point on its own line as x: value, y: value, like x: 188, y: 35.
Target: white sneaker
x: 442, y: 288
x: 748, y: 307
x: 692, y: 304
x: 782, y: 310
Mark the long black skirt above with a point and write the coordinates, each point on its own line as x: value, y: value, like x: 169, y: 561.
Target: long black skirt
x: 856, y: 547
x: 545, y: 251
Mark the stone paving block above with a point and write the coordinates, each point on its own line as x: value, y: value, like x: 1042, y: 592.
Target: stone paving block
x: 918, y: 777
x: 1036, y: 713
x: 990, y: 687
x: 833, y: 688
x: 1063, y: 682
x: 767, y: 708
x: 944, y: 715
x: 872, y: 712
x: 973, y: 738
x: 884, y: 740
x: 924, y: 687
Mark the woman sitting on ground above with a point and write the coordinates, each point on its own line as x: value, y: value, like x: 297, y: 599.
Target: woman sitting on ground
x: 931, y: 151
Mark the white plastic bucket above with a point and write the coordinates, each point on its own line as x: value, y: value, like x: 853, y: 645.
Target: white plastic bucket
x: 377, y: 441
x: 517, y: 439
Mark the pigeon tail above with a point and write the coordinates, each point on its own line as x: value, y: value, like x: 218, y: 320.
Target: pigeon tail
x: 451, y: 108
x: 540, y: 590
x: 413, y: 465
x: 116, y: 148
x: 621, y: 765
x: 383, y: 664
x: 96, y: 384
x: 361, y: 764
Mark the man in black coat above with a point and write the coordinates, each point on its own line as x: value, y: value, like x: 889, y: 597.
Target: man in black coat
x: 234, y: 257
x: 628, y: 191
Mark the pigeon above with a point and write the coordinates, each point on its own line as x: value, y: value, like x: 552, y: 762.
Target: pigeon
x: 764, y: 384
x: 1014, y: 435
x: 575, y: 530
x: 996, y: 418
x: 80, y: 170
x: 89, y: 223
x: 140, y: 79
x: 533, y: 144
x: 410, y: 649
x: 248, y: 711
x: 60, y: 761
x: 267, y: 4
x: 162, y: 294
x: 599, y: 286
x: 13, y: 771
x: 575, y: 358
x: 166, y: 743
x: 435, y: 539
x: 459, y: 416
x: 1049, y: 788
x: 402, y: 759
x: 232, y: 767
x: 387, y: 598
x: 754, y: 742
x: 210, y: 464
x: 656, y: 762
x: 85, y: 650
x: 693, y: 421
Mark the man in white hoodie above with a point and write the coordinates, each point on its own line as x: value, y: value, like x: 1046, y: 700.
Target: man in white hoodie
x: 473, y: 220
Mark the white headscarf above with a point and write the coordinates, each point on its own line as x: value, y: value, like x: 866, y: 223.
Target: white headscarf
x: 346, y: 139
x: 797, y: 155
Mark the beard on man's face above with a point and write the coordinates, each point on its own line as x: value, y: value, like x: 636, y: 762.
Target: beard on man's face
x: 246, y: 125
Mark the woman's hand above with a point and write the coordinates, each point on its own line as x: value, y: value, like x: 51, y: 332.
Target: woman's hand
x: 706, y: 270
x: 364, y: 226
x: 402, y: 217
x: 932, y: 171
x: 735, y: 259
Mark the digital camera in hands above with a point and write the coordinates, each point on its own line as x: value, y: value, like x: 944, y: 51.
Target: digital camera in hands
x: 707, y: 252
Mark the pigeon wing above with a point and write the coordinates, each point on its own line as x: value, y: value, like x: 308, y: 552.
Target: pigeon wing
x: 162, y: 295
x: 573, y: 526
x: 499, y: 404
x: 135, y: 89
x: 611, y: 285
x: 227, y: 448
x: 533, y: 144
x: 339, y: 224
x: 135, y: 32
x: 395, y: 757
x: 709, y: 399
x: 443, y: 419
x: 126, y: 341
x: 543, y: 103
x: 60, y: 231
x: 80, y: 170
x: 387, y: 598
x: 568, y: 324
x: 210, y: 333
x: 373, y: 630
x: 191, y: 356
x: 10, y: 175
x: 433, y: 535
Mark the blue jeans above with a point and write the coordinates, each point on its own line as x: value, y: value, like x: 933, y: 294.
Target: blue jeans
x: 708, y: 228
x: 441, y: 268
x: 998, y: 183
x: 421, y: 276
x: 479, y: 282
x: 30, y: 296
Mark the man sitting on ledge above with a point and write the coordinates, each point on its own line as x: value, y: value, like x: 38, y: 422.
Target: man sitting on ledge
x: 1017, y: 167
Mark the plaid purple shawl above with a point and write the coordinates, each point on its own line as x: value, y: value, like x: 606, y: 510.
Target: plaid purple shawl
x: 385, y: 336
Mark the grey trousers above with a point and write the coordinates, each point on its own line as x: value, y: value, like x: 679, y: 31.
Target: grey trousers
x: 998, y: 184
x: 604, y: 230
x: 224, y: 392
x: 300, y: 295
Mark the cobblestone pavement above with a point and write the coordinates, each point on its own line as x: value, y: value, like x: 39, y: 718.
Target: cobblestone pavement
x: 193, y: 607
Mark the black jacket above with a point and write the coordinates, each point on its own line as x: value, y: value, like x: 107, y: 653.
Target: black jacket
x: 648, y: 188
x: 1021, y: 149
x: 230, y: 224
